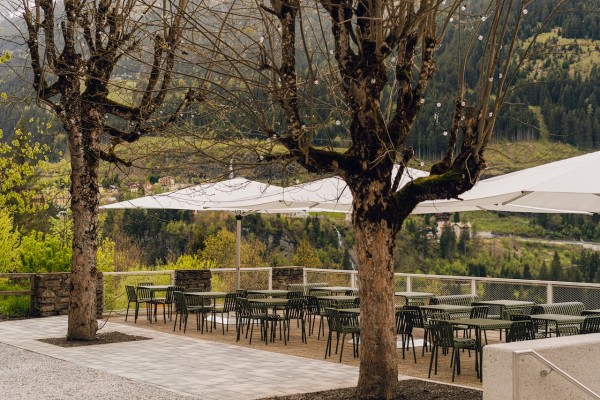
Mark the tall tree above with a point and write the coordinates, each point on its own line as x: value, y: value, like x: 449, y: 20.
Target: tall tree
x: 75, y: 49
x: 359, y: 69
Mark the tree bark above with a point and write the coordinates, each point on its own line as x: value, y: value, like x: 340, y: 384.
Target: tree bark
x: 378, y: 364
x: 84, y: 151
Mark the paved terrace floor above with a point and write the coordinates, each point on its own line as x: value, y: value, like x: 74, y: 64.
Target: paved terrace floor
x: 166, y: 367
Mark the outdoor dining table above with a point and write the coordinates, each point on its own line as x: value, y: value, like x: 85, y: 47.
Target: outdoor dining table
x: 331, y: 289
x: 480, y: 325
x: 337, y: 300
x: 591, y: 312
x: 274, y: 303
x: 505, y: 305
x: 410, y: 297
x: 268, y: 292
x: 350, y: 311
x: 450, y: 309
x: 207, y: 295
x: 558, y: 320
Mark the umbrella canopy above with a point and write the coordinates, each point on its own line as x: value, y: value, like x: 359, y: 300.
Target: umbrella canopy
x: 225, y: 195
x: 566, y: 186
x: 323, y: 195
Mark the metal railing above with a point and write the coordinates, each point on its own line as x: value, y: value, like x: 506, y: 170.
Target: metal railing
x: 550, y: 367
x: 540, y: 292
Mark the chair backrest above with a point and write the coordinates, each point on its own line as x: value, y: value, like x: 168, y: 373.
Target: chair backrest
x: 180, y: 303
x: 404, y: 321
x: 351, y: 292
x: 294, y: 295
x: 229, y: 304
x: 242, y: 307
x: 442, y: 333
x: 131, y: 294
x: 333, y: 319
x: 479, y: 312
x: 294, y: 308
x: 144, y: 293
x: 418, y: 318
x: 520, y: 317
x: 170, y: 296
x: 146, y: 284
x: 591, y: 325
x: 520, y: 330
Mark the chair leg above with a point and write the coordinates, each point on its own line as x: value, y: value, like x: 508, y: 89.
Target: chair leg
x: 342, y: 349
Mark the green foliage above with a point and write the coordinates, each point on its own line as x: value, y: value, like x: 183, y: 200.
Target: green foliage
x: 9, y: 243
x: 14, y: 306
x: 306, y: 255
x: 44, y: 253
x: 19, y: 161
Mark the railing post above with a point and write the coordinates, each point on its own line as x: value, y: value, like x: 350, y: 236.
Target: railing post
x: 409, y: 283
x: 270, y: 278
x: 550, y: 293
x: 304, y: 276
x: 473, y: 287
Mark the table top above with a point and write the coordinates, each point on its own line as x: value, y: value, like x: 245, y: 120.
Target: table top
x: 505, y: 303
x: 207, y: 294
x: 447, y: 308
x: 268, y: 292
x: 559, y: 318
x: 590, y: 312
x: 482, y: 323
x: 331, y: 288
x: 349, y: 310
x: 155, y: 287
x: 414, y: 294
x: 270, y: 302
x: 337, y: 298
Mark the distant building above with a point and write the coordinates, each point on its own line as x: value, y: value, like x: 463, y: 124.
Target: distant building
x: 167, y: 182
x: 134, y: 187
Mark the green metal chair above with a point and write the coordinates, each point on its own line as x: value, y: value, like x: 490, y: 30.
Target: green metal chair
x: 443, y: 337
x: 590, y: 325
x: 537, y: 332
x: 404, y: 327
x: 294, y: 310
x: 342, y: 325
x: 132, y: 297
x: 520, y: 331
x: 167, y: 302
x: 228, y: 306
x: 419, y: 321
x: 203, y: 308
x: 182, y: 310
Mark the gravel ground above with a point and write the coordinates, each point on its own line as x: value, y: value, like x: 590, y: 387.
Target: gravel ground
x: 32, y: 376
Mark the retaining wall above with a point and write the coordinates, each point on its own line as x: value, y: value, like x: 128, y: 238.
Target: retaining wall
x: 576, y: 355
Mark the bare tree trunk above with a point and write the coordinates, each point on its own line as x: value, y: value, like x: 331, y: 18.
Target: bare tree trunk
x: 378, y: 364
x: 84, y: 149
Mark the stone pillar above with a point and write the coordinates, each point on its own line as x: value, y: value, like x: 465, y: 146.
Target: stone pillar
x: 50, y: 293
x: 194, y: 278
x: 283, y: 276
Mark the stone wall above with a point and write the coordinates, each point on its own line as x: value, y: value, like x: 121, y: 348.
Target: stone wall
x: 282, y: 276
x: 50, y: 294
x: 194, y: 278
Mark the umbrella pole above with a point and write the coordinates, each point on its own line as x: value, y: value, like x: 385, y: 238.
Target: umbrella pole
x: 238, y: 250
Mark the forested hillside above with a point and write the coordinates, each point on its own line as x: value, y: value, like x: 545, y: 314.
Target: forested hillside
x: 558, y: 103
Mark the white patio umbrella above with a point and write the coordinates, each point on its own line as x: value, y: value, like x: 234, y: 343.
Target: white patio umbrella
x: 225, y: 195
x: 323, y: 195
x: 567, y: 186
